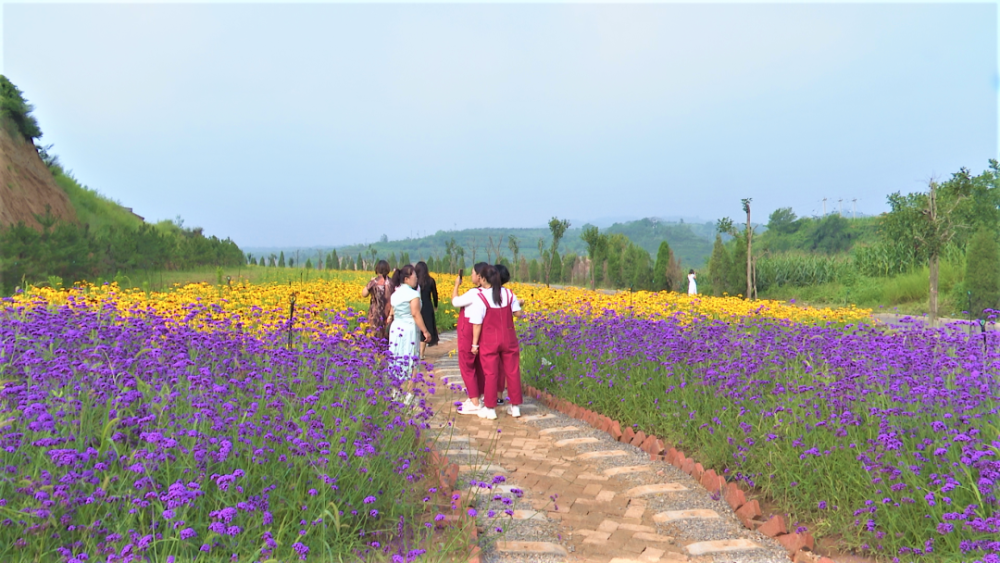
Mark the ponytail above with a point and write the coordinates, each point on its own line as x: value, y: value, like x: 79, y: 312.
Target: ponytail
x: 504, y: 273
x: 401, y: 274
x: 496, y: 283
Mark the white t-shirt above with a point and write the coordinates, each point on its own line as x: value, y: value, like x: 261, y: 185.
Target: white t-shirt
x: 466, y: 299
x: 476, y: 312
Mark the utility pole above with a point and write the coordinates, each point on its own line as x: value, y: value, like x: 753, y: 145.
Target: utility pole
x: 840, y: 206
x: 824, y: 207
x: 854, y: 210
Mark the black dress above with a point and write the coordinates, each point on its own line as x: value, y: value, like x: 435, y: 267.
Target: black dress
x: 427, y: 310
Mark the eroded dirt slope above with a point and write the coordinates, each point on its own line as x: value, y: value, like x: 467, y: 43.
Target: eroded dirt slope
x: 26, y: 185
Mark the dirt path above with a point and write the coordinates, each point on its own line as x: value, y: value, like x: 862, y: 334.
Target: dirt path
x: 586, y: 497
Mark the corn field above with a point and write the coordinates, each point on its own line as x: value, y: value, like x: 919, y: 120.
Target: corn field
x: 875, y: 261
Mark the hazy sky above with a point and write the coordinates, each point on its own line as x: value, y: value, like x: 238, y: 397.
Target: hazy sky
x: 332, y: 124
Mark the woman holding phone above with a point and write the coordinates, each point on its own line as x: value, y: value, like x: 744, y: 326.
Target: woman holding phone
x: 468, y: 364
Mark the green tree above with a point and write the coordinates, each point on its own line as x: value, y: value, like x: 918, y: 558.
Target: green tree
x: 393, y: 263
x: 291, y: 262
x: 515, y: 248
x: 281, y: 259
x: 360, y: 264
x: 982, y: 272
x: 556, y: 267
x: 596, y: 243
x: 533, y: 271
x: 719, y: 265
x: 783, y: 221
x: 661, y: 280
x: 309, y: 264
x: 558, y: 228
x: 15, y: 108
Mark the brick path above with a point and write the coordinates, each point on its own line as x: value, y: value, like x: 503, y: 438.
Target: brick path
x: 613, y: 504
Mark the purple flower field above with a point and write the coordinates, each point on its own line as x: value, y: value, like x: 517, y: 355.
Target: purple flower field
x: 887, y: 439
x: 139, y: 440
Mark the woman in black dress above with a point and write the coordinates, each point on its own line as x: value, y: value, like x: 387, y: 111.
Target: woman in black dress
x: 428, y: 291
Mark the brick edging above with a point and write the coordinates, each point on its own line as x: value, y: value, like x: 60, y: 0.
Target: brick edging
x: 798, y: 545
x: 447, y: 473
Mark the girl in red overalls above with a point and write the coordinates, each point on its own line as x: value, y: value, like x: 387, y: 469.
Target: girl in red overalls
x: 494, y: 339
x: 468, y: 362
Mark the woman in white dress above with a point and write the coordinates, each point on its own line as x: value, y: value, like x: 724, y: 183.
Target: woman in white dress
x: 692, y: 284
x: 405, y: 321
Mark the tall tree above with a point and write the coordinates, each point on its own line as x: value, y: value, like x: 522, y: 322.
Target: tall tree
x: 661, y: 280
x: 515, y: 248
x: 558, y: 228
x: 596, y: 242
x: 718, y: 267
x: 929, y: 221
x: 281, y: 259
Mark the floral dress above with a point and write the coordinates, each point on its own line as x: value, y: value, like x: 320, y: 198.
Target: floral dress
x: 379, y: 291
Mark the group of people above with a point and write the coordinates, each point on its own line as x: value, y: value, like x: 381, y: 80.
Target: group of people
x: 403, y: 312
x: 489, y: 354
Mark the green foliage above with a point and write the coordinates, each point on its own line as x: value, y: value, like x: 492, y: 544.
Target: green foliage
x: 15, y: 112
x: 533, y: 271
x: 660, y: 280
x: 719, y: 265
x: 309, y: 264
x: 736, y: 278
x: 74, y: 252
x: 568, y: 262
x: 783, y: 221
x: 982, y: 273
x: 281, y: 260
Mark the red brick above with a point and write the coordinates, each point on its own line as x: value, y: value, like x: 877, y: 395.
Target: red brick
x: 710, y: 481
x: 628, y: 435
x: 748, y: 512
x: 825, y: 560
x: 687, y: 466
x: 638, y: 438
x: 697, y: 472
x: 803, y: 556
x: 451, y: 474
x: 795, y: 542
x: 671, y: 455
x: 774, y: 527
x: 659, y: 446
x: 616, y: 427
x: 735, y: 496
x: 615, y: 432
x: 475, y: 556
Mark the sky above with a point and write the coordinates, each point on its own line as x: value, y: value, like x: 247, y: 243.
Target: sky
x: 331, y: 124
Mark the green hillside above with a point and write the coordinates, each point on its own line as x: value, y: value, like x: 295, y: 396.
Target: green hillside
x: 691, y: 242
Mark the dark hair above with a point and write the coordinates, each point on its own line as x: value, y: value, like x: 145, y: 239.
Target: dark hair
x: 692, y: 271
x: 496, y: 284
x: 504, y: 273
x: 382, y: 268
x: 401, y: 274
x: 423, y: 275
x: 479, y: 267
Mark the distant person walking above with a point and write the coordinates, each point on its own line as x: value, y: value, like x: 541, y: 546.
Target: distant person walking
x: 428, y: 305
x: 692, y: 284
x: 405, y: 321
x: 379, y: 290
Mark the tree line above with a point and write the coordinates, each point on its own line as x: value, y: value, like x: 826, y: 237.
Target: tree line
x: 956, y: 220
x: 61, y: 252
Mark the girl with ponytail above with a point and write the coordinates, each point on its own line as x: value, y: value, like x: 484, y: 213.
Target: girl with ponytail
x: 494, y: 340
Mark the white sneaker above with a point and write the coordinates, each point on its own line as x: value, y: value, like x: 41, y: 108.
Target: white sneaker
x: 487, y: 413
x: 468, y: 408
x: 514, y: 411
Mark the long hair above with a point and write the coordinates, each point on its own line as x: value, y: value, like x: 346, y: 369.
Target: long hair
x: 382, y: 268
x: 423, y: 275
x: 496, y: 284
x: 401, y: 274
x: 479, y: 268
x: 504, y: 273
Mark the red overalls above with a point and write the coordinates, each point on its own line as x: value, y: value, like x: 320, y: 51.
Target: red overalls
x: 500, y: 353
x: 468, y: 363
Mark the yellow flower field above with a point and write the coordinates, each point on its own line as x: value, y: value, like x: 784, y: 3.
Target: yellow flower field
x: 266, y: 306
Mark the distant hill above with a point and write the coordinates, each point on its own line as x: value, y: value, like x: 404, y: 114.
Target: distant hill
x: 691, y: 242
